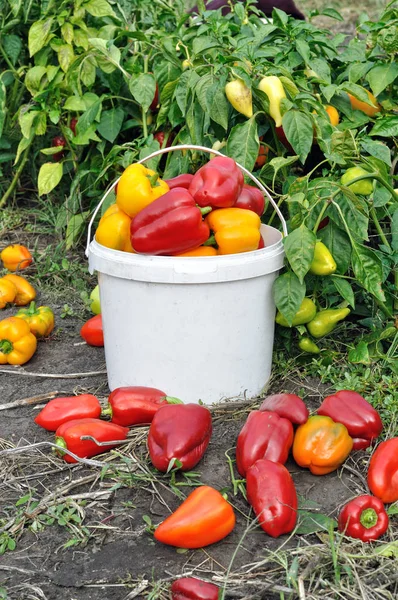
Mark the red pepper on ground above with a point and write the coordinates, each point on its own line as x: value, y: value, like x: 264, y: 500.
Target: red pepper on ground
x: 69, y: 435
x: 288, y: 406
x: 364, y: 518
x: 272, y: 494
x: 362, y: 421
x: 190, y: 588
x: 180, y: 431
x: 251, y: 198
x: 183, y: 181
x: 218, y: 183
x: 136, y: 405
x: 92, y: 331
x: 170, y: 224
x: 264, y: 435
x: 383, y: 471
x: 61, y: 410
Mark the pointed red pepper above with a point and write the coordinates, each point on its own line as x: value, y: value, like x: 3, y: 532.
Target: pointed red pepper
x: 364, y: 518
x: 183, y: 181
x: 362, y: 421
x: 288, y: 406
x: 136, y: 405
x: 190, y: 588
x: 170, y: 224
x: 180, y: 431
x: 251, y: 198
x: 383, y: 471
x: 264, y: 435
x: 218, y: 183
x: 61, y: 410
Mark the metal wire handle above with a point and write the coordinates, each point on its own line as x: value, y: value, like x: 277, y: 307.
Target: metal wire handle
x: 188, y: 147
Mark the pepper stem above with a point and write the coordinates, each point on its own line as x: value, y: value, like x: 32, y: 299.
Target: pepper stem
x: 32, y: 308
x: 107, y: 412
x: 210, y: 242
x: 6, y: 346
x: 60, y: 442
x: 153, y: 179
x: 368, y: 518
x: 171, y: 400
x: 205, y: 210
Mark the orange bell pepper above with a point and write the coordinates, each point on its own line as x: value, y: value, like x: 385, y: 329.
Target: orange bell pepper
x: 16, y: 257
x: 321, y: 445
x: 235, y: 229
x: 40, y: 320
x: 8, y: 291
x: 201, y: 251
x: 204, y: 518
x: 17, y: 343
x: 369, y: 110
x: 113, y: 230
x: 25, y: 292
x: 138, y: 187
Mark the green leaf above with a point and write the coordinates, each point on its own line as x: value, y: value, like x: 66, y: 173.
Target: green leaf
x: 65, y: 57
x: 88, y: 70
x: 377, y: 149
x: 360, y: 354
x: 80, y: 39
x: 282, y: 161
x: 329, y: 91
x: 298, y: 130
x: 355, y: 51
x: 368, y: 270
x: 89, y: 116
x: 195, y: 118
x: 333, y: 14
x: 33, y: 79
x: 394, y: 231
x: 84, y: 138
x: 13, y: 46
x: 25, y: 120
x: 74, y: 228
x: 111, y: 123
x: 389, y: 550
x: 309, y: 522
x: 344, y: 289
x: 143, y: 89
x: 381, y: 196
x: 357, y: 91
x: 41, y: 123
x: 304, y: 50
x: 217, y: 103
x: 202, y: 87
x: 381, y: 76
x: 288, y: 294
x: 50, y: 175
x: 38, y: 35
x: 321, y: 68
x: 386, y: 127
x: 75, y: 103
x: 99, y: 8
x: 299, y: 247
x: 2, y: 106
x: 243, y: 143
x: 23, y: 144
x: 357, y: 222
x: 67, y: 32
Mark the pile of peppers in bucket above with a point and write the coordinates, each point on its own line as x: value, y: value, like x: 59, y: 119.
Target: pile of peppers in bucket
x: 212, y: 212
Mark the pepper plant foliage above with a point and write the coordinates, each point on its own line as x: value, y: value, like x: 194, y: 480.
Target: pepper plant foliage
x: 100, y: 61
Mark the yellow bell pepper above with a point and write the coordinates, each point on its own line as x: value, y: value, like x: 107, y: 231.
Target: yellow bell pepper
x: 17, y: 343
x: 16, y: 257
x: 113, y: 230
x: 201, y: 251
x: 8, y: 291
x: 235, y: 229
x: 138, y: 187
x: 40, y: 320
x: 25, y: 292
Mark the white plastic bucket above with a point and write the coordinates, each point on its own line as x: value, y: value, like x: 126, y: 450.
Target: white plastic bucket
x: 197, y: 328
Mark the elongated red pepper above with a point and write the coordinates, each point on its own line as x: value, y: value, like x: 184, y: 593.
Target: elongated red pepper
x: 69, y: 435
x: 92, y: 331
x: 251, y: 198
x: 361, y: 419
x: 264, y: 435
x: 272, y: 494
x: 61, y: 410
x: 170, y: 224
x: 383, y: 471
x: 288, y: 406
x: 180, y: 432
x: 190, y: 588
x: 136, y: 405
x: 364, y: 518
x: 181, y: 181
x: 218, y: 183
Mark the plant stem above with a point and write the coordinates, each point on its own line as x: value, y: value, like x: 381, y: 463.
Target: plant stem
x: 379, y: 229
x: 9, y: 63
x: 272, y: 217
x: 17, y: 175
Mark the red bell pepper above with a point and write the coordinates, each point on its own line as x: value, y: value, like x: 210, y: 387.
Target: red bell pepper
x: 69, y: 435
x: 272, y: 494
x: 352, y: 410
x: 182, y: 181
x: 218, y: 183
x: 61, y: 410
x: 92, y: 331
x: 170, y: 224
x: 251, y: 198
x: 136, y: 405
x: 383, y: 471
x: 264, y: 435
x: 180, y: 431
x: 261, y: 244
x: 364, y: 518
x: 190, y: 588
x: 288, y: 406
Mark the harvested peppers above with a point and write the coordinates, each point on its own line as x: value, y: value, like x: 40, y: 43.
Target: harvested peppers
x: 181, y: 181
x: 288, y: 406
x: 25, y: 291
x: 40, y: 319
x: 17, y: 343
x: 235, y: 230
x: 217, y: 184
x: 364, y: 518
x: 113, y: 230
x: 8, y: 291
x: 383, y: 471
x: 135, y: 405
x: 326, y: 320
x: 16, y: 257
x: 251, y: 198
x: 92, y: 331
x: 61, y: 410
x: 138, y: 187
x: 190, y: 588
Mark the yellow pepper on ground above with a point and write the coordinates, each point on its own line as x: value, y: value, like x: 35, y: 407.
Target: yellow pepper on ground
x: 25, y: 291
x: 138, y: 187
x: 8, y: 291
x: 40, y: 319
x: 16, y: 257
x: 17, y: 343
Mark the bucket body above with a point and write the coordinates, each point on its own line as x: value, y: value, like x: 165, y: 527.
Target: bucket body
x: 201, y: 329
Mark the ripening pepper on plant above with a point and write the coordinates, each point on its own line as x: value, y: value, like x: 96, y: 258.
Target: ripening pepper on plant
x: 361, y: 419
x: 204, y: 518
x: 138, y: 187
x: 288, y: 406
x: 16, y: 257
x: 8, y: 291
x: 68, y: 408
x: 323, y: 262
x: 240, y: 96
x: 252, y: 199
x: 17, y: 343
x: 321, y: 445
x: 92, y: 331
x: 113, y: 230
x: 307, y: 345
x: 272, y: 86
x: 272, y: 494
x: 305, y: 314
x: 369, y: 110
x: 235, y: 229
x: 135, y: 405
x: 363, y: 187
x: 363, y: 518
x: 25, y: 291
x: 40, y: 319
x: 190, y: 588
x: 326, y: 320
x: 217, y: 184
x: 264, y: 435
x: 181, y: 432
x: 383, y: 471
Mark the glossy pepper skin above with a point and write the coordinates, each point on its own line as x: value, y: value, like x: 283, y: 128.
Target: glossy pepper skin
x: 204, y: 518
x: 171, y: 224
x: 321, y: 445
x: 363, y: 187
x: 288, y: 406
x: 113, y: 230
x: 361, y: 419
x: 218, y: 183
x: 61, y: 410
x: 25, y: 292
x: 323, y: 262
x: 138, y: 187
x: 181, y: 181
x: 69, y: 435
x: 240, y: 96
x: 8, y: 291
x: 251, y: 198
x: 305, y: 314
x: 17, y: 343
x: 235, y: 229
x: 190, y: 588
x: 135, y: 405
x: 326, y: 320
x: 364, y: 518
x: 307, y: 345
x: 92, y: 331
x: 272, y: 86
x: 272, y: 494
x: 180, y: 431
x: 264, y: 435
x: 40, y: 319
x: 383, y: 471
x: 332, y: 114
x: 16, y: 257
x: 58, y: 141
x: 201, y: 251
x: 369, y: 110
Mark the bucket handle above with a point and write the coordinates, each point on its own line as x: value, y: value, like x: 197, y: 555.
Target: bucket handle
x: 188, y: 147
